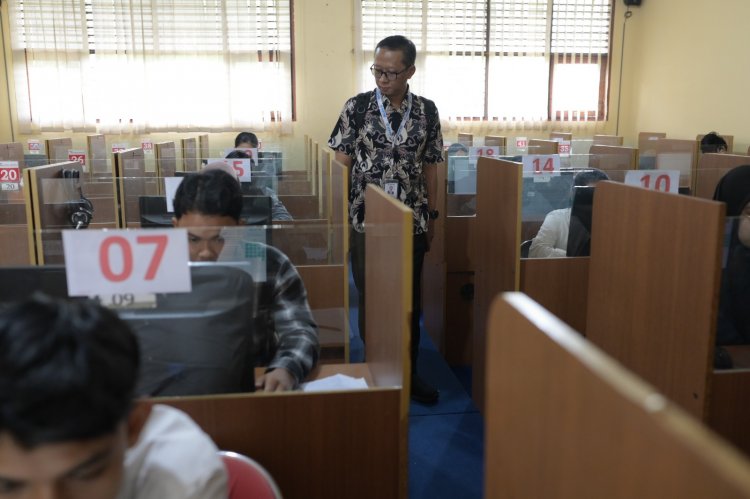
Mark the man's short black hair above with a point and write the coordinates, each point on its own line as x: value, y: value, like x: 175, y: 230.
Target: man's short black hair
x: 400, y: 42
x: 246, y: 138
x: 210, y: 192
x: 713, y: 142
x: 68, y: 371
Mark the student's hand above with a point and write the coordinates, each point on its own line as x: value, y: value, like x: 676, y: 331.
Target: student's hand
x: 278, y: 380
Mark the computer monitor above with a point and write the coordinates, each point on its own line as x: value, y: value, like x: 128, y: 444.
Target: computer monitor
x: 191, y: 343
x: 256, y: 210
x: 579, y: 234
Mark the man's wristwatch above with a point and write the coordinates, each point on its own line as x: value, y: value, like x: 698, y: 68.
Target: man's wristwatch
x: 433, y: 214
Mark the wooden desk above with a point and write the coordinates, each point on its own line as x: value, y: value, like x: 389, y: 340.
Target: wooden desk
x: 566, y: 420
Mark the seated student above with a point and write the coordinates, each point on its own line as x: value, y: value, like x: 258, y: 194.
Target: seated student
x: 278, y: 210
x: 713, y: 142
x: 246, y: 140
x: 286, y: 337
x: 68, y: 424
x: 734, y: 305
x: 552, y: 239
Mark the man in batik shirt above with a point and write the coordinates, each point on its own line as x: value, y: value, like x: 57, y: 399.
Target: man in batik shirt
x: 391, y: 138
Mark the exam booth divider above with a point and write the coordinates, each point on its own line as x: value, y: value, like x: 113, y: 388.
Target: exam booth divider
x: 654, y: 280
x: 465, y: 139
x: 47, y: 197
x: 647, y: 148
x: 678, y: 154
x: 98, y: 159
x: 498, y: 244
x: 13, y: 151
x: 496, y: 141
x: 190, y: 162
x: 556, y: 136
x: 165, y: 157
x: 131, y: 182
x: 607, y: 140
x: 564, y: 419
x: 204, y: 151
x: 540, y: 146
x: 613, y: 160
x: 336, y: 444
x: 713, y: 166
x: 57, y: 149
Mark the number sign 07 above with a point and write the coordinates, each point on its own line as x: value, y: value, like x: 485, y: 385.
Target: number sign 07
x: 126, y: 261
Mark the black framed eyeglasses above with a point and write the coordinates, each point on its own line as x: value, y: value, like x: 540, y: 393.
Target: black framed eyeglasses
x: 389, y: 75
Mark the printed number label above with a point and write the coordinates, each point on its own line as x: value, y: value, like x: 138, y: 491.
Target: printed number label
x: 241, y: 166
x: 134, y: 261
x: 9, y: 174
x: 541, y: 165
x: 655, y: 180
x: 79, y: 156
x: 521, y: 143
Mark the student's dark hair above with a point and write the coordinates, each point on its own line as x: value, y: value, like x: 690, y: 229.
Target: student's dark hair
x: 457, y: 148
x: 246, y: 138
x: 67, y: 371
x: 588, y: 177
x: 399, y: 42
x: 211, y: 192
x: 713, y: 142
x: 237, y: 154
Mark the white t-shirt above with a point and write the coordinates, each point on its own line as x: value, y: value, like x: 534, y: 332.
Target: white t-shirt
x: 173, y: 459
x: 552, y: 238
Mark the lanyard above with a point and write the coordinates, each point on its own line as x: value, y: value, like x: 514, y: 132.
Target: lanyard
x: 388, y: 130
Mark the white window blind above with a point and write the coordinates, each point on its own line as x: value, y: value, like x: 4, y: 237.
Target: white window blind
x: 501, y: 60
x: 151, y: 65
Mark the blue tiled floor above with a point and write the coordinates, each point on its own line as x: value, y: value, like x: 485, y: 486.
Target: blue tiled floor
x: 446, y: 441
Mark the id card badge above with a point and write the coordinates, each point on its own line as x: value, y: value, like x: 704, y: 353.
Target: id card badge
x: 391, y: 188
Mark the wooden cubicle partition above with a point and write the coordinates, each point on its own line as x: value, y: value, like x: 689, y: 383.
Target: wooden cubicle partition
x: 556, y: 136
x: 204, y: 151
x: 98, y: 159
x: 565, y: 420
x: 653, y: 283
x: 48, y: 196
x: 647, y: 148
x: 190, y: 161
x: 466, y: 139
x: 677, y: 154
x: 539, y: 146
x: 713, y: 166
x: 607, y: 140
x: 496, y: 141
x: 498, y: 250
x: 12, y: 151
x: 336, y: 444
x: 131, y: 181
x: 57, y: 149
x: 165, y: 155
x: 613, y: 160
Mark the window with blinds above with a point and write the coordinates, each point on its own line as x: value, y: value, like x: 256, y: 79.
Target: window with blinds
x: 502, y: 60
x: 159, y: 65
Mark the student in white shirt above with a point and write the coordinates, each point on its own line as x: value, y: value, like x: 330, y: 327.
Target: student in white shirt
x: 68, y: 424
x: 552, y: 239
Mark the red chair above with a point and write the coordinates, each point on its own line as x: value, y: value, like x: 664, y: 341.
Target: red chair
x: 247, y: 478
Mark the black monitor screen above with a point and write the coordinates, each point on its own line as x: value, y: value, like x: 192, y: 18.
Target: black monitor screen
x: 191, y: 343
x: 256, y: 210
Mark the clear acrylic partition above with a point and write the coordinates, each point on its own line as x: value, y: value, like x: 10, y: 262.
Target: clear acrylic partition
x: 14, y: 239
x: 551, y: 198
x: 247, y: 284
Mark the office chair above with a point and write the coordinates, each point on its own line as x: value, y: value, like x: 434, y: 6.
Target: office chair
x: 247, y: 478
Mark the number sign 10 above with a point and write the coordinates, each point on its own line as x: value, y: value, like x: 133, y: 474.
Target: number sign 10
x: 120, y: 261
x: 655, y: 180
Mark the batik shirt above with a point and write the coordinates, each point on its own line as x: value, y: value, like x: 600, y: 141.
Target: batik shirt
x: 376, y: 161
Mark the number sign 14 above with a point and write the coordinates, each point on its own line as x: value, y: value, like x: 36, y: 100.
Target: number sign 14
x: 541, y: 164
x: 99, y: 262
